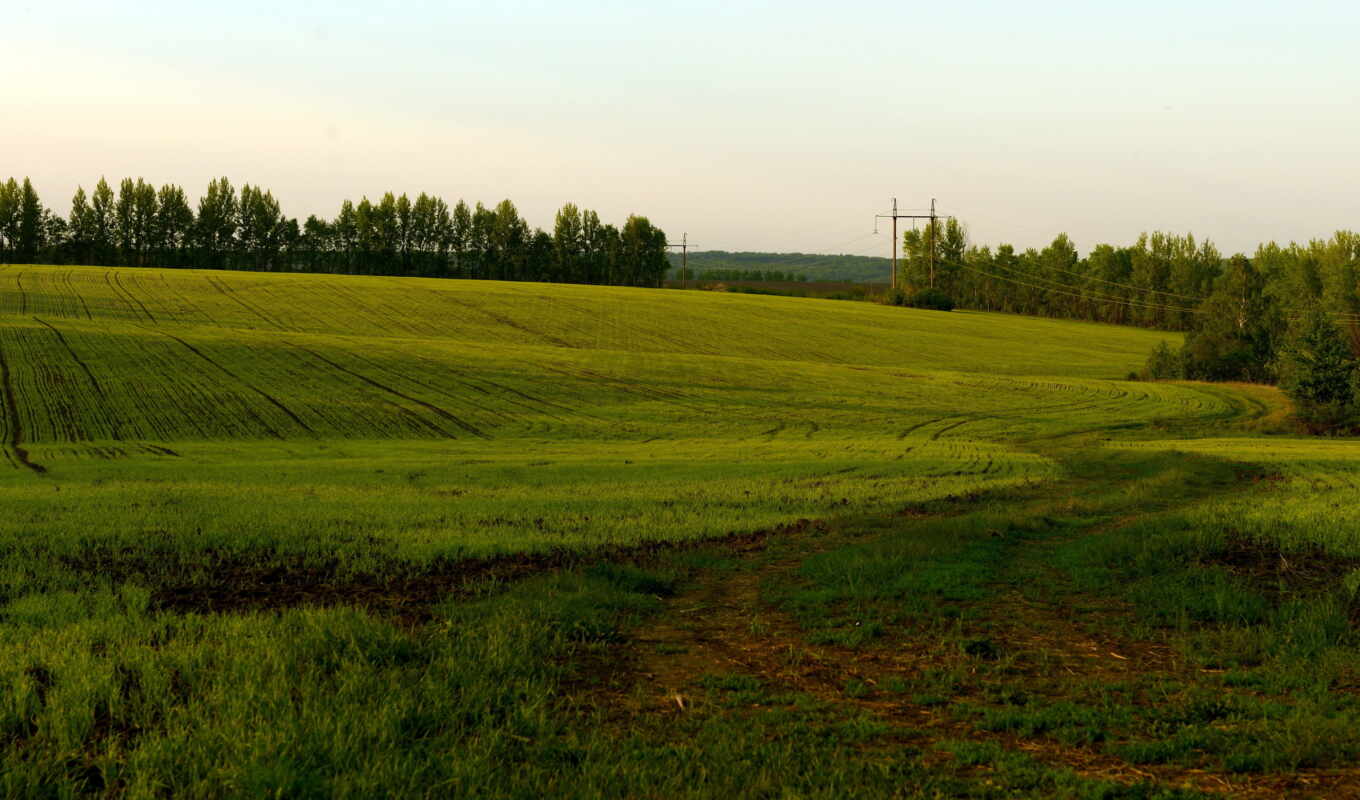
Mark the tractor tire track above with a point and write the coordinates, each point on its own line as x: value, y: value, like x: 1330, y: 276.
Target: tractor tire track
x: 443, y: 392
x: 114, y: 290
x: 23, y: 298
x: 184, y: 298
x: 909, y: 431
x: 158, y: 450
x: 16, y: 436
x: 436, y: 410
x: 115, y: 430
x: 510, y: 323
x: 66, y: 277
x: 94, y: 382
x: 946, y: 429
x: 118, y: 279
x: 230, y: 295
x: 257, y: 390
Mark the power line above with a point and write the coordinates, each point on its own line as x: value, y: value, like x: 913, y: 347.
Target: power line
x: 895, y: 216
x: 1342, y: 316
x: 1068, y: 292
x: 1083, y: 292
x: 684, y: 259
x: 1125, y: 285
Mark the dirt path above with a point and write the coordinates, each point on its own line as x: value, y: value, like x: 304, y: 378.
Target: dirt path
x: 1050, y: 643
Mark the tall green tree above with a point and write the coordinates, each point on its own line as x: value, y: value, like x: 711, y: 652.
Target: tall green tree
x: 104, y: 246
x: 460, y: 240
x: 215, y: 224
x: 144, y: 207
x: 643, y: 252
x: 31, y: 227
x: 1237, y: 329
x: 124, y: 225
x: 568, y: 240
x: 81, y: 228
x: 9, y: 220
x: 260, y: 228
x: 174, y: 226
x: 1318, y: 371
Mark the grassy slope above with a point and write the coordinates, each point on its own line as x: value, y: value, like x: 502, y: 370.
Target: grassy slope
x: 511, y: 416
x: 200, y: 427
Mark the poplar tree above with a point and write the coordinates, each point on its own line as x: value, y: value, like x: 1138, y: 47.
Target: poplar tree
x: 215, y: 226
x: 9, y: 219
x: 174, y: 225
x: 81, y: 227
x: 460, y: 239
x: 568, y: 240
x: 125, y: 228
x: 31, y: 224
x: 102, y: 223
x: 144, y: 207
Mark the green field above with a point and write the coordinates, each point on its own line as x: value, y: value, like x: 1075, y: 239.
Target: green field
x: 412, y: 420
x: 239, y: 507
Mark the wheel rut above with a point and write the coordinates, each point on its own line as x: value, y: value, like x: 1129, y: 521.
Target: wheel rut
x: 15, y: 426
x: 724, y: 624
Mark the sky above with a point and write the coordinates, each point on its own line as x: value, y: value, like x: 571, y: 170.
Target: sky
x: 748, y: 125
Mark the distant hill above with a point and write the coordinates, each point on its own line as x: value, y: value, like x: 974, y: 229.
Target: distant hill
x: 868, y: 269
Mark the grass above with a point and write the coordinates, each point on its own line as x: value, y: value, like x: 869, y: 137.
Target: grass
x: 1237, y: 602
x: 237, y: 508
x: 375, y: 426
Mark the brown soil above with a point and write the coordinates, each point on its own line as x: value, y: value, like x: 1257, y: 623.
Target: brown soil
x: 238, y: 583
x: 721, y: 626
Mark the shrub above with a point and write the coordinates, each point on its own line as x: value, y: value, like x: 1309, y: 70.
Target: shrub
x: 1164, y: 364
x: 932, y: 299
x: 893, y: 297
x: 1319, y: 374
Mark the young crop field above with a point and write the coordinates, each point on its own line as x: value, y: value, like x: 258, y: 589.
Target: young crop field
x: 435, y: 419
x: 349, y: 536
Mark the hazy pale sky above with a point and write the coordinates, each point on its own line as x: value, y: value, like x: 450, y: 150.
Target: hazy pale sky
x: 751, y: 125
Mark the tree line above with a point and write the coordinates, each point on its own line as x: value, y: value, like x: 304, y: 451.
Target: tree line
x: 813, y: 267
x: 751, y: 275
x: 1286, y: 314
x: 142, y: 225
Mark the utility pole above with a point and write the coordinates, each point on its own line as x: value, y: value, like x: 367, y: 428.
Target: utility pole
x: 684, y: 260
x: 932, y: 243
x: 894, y: 216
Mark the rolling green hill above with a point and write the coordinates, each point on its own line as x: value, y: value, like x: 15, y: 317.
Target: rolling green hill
x: 511, y: 416
x: 349, y: 536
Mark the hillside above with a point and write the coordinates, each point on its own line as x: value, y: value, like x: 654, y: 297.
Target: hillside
x: 155, y: 372
x: 816, y: 267
x: 239, y: 506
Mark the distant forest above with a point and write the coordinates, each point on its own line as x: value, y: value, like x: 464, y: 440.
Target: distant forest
x: 1162, y: 280
x: 140, y: 225
x: 1286, y: 313
x: 749, y: 275
x: 807, y: 266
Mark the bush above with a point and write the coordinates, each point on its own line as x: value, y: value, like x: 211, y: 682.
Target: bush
x: 893, y: 297
x: 1164, y: 364
x: 1319, y: 374
x: 932, y: 299
x: 1214, y: 356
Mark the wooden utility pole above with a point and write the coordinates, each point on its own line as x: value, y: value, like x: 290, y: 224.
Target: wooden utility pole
x: 932, y: 243
x: 684, y: 260
x: 894, y: 216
